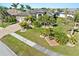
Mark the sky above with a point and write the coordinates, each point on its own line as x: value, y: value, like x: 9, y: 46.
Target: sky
x: 46, y: 5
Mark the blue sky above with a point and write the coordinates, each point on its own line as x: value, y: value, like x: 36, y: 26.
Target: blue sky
x: 47, y: 5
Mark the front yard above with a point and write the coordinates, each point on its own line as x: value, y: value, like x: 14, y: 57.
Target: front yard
x: 20, y: 48
x: 34, y: 35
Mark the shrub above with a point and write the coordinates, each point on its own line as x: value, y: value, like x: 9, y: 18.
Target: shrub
x: 10, y: 19
x: 73, y: 40
x: 37, y: 24
x: 23, y: 24
x: 61, y: 37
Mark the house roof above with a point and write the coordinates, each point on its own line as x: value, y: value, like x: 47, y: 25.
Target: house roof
x: 35, y: 11
x: 15, y: 12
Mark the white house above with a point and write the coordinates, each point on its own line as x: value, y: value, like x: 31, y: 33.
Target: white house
x: 63, y: 15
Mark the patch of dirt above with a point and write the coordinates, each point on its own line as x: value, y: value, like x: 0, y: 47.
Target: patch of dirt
x: 52, y: 42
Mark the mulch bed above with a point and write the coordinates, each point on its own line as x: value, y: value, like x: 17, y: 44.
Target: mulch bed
x: 52, y: 42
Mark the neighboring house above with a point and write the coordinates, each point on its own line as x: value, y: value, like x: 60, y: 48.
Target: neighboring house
x: 38, y: 12
x: 62, y: 14
x: 71, y: 12
x: 19, y: 14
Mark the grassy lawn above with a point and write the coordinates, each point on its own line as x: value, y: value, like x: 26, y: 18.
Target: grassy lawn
x: 5, y: 24
x: 19, y: 47
x: 34, y: 35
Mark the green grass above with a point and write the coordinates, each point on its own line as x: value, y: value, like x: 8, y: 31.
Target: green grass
x: 19, y: 47
x: 34, y: 35
x: 5, y: 24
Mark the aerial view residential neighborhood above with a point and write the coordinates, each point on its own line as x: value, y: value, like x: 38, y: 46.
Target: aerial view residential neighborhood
x: 37, y: 29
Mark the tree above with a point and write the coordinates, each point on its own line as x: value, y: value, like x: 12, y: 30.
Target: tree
x: 15, y: 5
x: 11, y: 19
x: 66, y: 12
x: 73, y: 40
x: 37, y: 24
x: 22, y: 7
x: 45, y: 20
x: 29, y: 18
x: 55, y: 16
x: 28, y: 7
x: 76, y: 19
x: 61, y: 37
x: 23, y: 24
x: 48, y: 33
x: 3, y: 14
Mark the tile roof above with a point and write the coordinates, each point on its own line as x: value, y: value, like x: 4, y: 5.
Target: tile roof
x: 17, y: 12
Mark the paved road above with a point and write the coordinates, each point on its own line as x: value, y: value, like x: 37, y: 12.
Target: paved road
x: 5, y: 51
x: 35, y: 45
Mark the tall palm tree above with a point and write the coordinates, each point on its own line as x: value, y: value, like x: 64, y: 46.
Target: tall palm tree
x: 65, y: 11
x: 22, y: 7
x: 15, y: 5
x: 28, y: 7
x: 3, y: 14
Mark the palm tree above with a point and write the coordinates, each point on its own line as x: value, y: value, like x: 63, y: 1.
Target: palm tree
x: 22, y: 7
x: 76, y: 20
x: 3, y: 14
x: 15, y: 5
x: 65, y: 11
x: 28, y: 7
x: 45, y: 19
x: 55, y: 17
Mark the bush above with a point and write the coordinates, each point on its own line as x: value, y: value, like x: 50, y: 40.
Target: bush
x: 23, y: 24
x: 36, y: 24
x: 11, y: 19
x: 61, y: 37
x: 73, y: 40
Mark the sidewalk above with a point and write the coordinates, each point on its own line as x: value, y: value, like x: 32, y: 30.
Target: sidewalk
x: 35, y: 45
